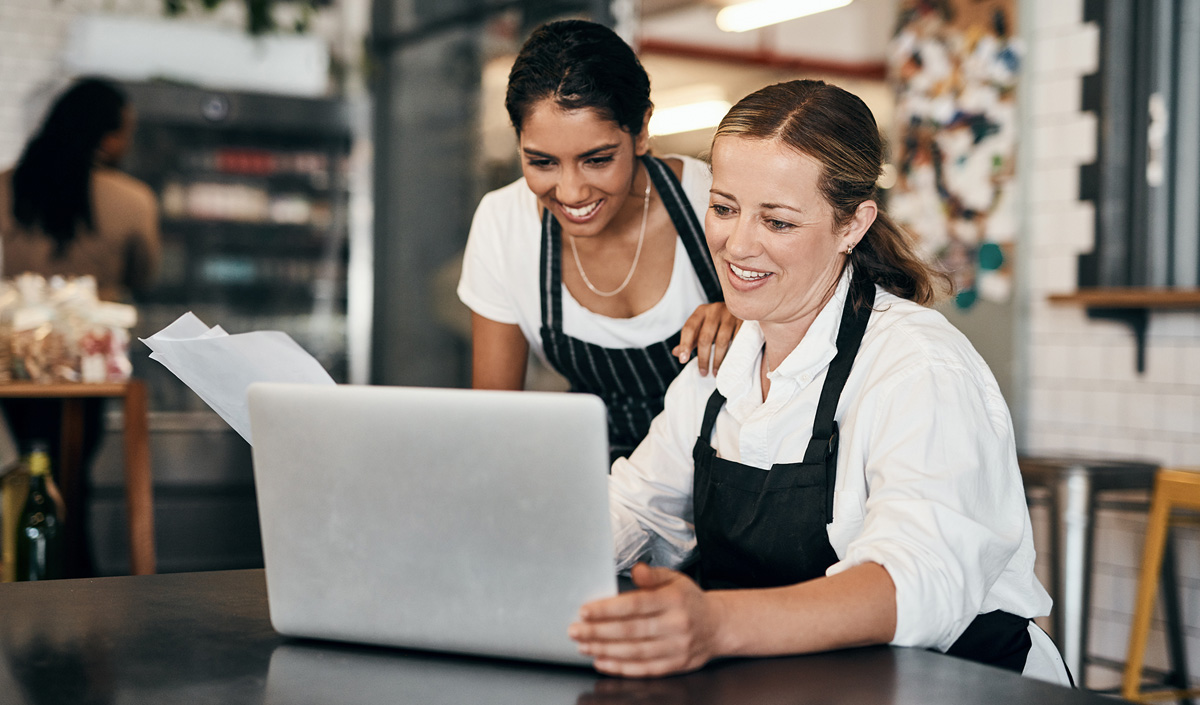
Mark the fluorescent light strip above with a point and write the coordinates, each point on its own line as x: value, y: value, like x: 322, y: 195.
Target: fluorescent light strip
x: 685, y: 118
x: 760, y: 13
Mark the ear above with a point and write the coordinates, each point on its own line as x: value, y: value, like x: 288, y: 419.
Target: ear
x: 641, y: 141
x: 860, y: 223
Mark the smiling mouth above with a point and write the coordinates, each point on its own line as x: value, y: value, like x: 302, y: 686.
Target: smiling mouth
x: 748, y: 275
x: 582, y: 213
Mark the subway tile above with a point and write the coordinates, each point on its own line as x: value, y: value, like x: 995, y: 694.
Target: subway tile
x: 1177, y: 413
x: 1049, y: 360
x: 1069, y: 229
x: 1056, y: 273
x: 1052, y: 185
x: 1042, y: 406
x: 1187, y: 557
x: 1057, y: 15
x: 1187, y: 455
x: 1107, y: 408
x: 1056, y: 97
x: 1087, y: 362
x: 1119, y: 363
x: 1175, y: 324
x: 1072, y: 141
x: 1163, y: 362
x: 1140, y: 411
x: 1072, y: 52
x: 1114, y: 591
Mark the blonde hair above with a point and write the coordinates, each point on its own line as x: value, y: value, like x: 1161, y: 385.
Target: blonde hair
x: 837, y: 129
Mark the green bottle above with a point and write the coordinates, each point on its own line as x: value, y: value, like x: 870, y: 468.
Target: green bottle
x: 39, y: 547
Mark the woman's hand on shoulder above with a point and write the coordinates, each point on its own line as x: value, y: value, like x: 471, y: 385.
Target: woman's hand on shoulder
x: 668, y: 625
x: 708, y: 331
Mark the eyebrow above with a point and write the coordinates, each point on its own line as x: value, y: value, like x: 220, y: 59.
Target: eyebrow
x: 585, y: 155
x: 765, y: 206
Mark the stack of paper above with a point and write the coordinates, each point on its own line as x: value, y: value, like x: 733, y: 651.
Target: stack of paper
x: 220, y: 367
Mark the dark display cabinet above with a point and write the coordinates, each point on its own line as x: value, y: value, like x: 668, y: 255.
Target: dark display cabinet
x: 254, y: 194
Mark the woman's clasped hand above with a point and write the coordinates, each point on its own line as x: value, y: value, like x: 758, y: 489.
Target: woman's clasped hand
x: 668, y: 625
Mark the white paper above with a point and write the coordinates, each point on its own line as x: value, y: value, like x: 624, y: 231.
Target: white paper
x: 220, y: 367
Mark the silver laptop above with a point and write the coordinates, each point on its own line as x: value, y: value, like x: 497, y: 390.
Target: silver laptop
x: 445, y: 519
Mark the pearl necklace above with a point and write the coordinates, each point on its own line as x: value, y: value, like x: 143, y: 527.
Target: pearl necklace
x: 637, y: 253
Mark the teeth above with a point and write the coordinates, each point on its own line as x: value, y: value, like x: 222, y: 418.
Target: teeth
x: 747, y: 274
x: 582, y: 212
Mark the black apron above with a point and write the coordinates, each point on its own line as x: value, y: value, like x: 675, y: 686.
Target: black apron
x: 757, y: 529
x: 631, y: 381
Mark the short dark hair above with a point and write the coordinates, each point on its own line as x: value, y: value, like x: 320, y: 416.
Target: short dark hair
x: 579, y: 64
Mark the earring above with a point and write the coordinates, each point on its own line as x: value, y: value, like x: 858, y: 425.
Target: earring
x: 849, y: 249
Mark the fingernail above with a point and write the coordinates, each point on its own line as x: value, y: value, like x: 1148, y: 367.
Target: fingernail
x: 683, y: 358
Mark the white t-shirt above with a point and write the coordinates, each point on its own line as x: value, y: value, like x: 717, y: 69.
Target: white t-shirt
x: 500, y: 273
x: 927, y: 478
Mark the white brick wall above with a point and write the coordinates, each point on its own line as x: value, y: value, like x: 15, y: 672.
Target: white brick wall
x: 1084, y: 393
x: 33, y: 34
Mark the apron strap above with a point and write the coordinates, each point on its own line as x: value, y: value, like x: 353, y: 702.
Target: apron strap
x: 849, y: 338
x: 690, y: 230
x: 551, y: 272
x: 715, y: 402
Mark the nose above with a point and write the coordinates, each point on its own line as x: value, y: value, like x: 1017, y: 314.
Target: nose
x: 571, y: 188
x: 741, y: 242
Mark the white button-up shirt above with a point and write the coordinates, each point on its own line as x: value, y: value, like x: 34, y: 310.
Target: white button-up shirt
x: 927, y: 478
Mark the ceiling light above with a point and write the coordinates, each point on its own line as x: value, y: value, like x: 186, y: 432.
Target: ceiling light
x: 760, y: 13
x: 685, y: 118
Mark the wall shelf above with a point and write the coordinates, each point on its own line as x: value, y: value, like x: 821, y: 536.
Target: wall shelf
x: 1131, y: 306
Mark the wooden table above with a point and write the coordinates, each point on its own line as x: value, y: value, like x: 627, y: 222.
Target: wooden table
x: 202, y: 638
x: 139, y: 493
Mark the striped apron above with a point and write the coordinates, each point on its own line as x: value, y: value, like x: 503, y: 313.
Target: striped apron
x: 631, y: 381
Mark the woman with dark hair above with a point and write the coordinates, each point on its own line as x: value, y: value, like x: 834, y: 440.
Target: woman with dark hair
x: 849, y: 476
x: 65, y: 209
x: 595, y: 259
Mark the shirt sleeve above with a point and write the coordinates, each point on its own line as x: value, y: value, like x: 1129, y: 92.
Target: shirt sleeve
x: 485, y: 286
x: 945, y: 504
x: 650, y: 492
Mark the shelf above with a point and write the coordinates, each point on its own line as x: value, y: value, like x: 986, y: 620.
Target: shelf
x: 35, y: 390
x: 1131, y: 306
x: 1129, y: 297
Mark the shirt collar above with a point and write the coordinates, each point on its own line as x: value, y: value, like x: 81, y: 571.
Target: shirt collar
x: 738, y: 374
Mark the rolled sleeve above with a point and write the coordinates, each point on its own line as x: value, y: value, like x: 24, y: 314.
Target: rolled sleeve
x: 945, y: 503
x: 650, y: 492
x: 485, y: 286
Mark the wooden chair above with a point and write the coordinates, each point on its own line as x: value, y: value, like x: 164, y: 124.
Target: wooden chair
x: 1173, y: 489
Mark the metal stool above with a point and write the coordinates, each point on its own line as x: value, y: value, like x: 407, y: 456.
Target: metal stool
x: 1073, y: 484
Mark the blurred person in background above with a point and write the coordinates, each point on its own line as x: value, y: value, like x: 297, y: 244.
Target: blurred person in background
x: 66, y: 209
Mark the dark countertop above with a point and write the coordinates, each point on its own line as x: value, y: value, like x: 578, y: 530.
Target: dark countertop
x: 205, y: 638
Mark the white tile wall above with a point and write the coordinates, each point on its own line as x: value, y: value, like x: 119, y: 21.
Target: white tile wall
x: 1084, y: 394
x: 33, y: 34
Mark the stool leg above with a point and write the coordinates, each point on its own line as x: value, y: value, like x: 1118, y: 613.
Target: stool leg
x: 1178, y: 677
x: 1073, y: 553
x: 1143, y: 610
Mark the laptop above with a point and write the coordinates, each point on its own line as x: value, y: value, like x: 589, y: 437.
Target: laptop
x: 444, y: 519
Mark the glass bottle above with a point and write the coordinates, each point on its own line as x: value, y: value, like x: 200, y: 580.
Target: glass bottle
x: 39, y: 544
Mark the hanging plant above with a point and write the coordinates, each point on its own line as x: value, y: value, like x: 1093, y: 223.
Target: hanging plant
x: 260, y: 19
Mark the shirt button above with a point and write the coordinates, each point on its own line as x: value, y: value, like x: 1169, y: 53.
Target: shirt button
x: 805, y: 378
